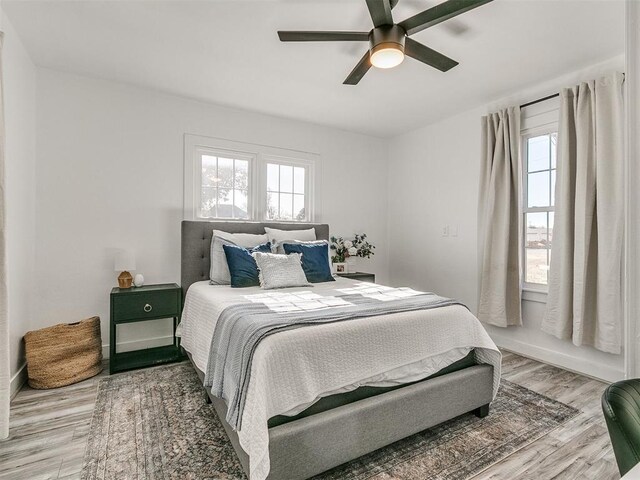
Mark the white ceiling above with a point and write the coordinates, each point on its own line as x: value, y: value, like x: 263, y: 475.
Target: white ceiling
x: 227, y: 52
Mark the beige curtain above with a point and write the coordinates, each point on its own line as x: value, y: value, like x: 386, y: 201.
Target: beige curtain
x: 499, y: 219
x: 5, y: 380
x: 585, y: 284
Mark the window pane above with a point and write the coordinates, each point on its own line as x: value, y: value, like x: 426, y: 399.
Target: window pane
x: 538, y: 153
x: 208, y: 202
x: 298, y: 180
x: 209, y: 173
x: 538, y: 189
x: 240, y: 204
x: 286, y: 206
x: 550, y: 240
x: 225, y: 172
x: 537, y: 267
x: 536, y: 230
x: 286, y: 179
x: 241, y: 174
x: 272, y: 206
x: 554, y: 149
x: 537, y: 242
x: 553, y: 187
x: 225, y: 203
x: 273, y: 177
x: 298, y: 207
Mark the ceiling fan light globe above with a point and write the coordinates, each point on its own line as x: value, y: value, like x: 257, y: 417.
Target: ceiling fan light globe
x: 387, y: 56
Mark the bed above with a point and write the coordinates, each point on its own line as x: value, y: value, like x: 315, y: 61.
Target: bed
x: 310, y: 414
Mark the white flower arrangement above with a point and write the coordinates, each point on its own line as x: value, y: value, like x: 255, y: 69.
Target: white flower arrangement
x: 358, y: 247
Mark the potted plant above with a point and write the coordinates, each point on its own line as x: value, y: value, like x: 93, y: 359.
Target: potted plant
x: 346, y: 251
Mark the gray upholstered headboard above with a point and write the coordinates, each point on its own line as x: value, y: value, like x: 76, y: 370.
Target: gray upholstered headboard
x: 196, y: 243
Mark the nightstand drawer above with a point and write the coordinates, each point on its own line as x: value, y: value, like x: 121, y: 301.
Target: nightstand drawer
x: 146, y: 305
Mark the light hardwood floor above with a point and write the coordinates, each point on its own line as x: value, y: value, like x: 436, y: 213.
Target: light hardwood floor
x: 49, y: 429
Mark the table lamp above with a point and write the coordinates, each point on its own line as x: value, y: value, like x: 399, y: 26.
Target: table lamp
x: 125, y: 261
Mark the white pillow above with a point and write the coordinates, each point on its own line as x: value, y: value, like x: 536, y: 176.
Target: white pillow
x: 219, y: 271
x: 246, y: 240
x: 277, y: 237
x: 280, y: 271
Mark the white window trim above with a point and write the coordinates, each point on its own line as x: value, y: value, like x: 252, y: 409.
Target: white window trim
x: 536, y: 288
x: 259, y: 156
x: 538, y: 119
x: 309, y: 188
x: 197, y: 182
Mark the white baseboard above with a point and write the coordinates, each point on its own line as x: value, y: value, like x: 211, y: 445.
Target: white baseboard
x: 561, y: 360
x: 139, y: 344
x: 18, y: 380
x: 20, y: 377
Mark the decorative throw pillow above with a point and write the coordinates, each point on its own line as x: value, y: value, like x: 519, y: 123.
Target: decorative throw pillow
x: 277, y: 236
x: 280, y: 271
x: 219, y: 271
x: 315, y: 261
x: 242, y: 267
x: 280, y: 247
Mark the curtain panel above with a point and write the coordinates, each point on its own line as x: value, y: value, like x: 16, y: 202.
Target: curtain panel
x: 5, y: 380
x: 585, y: 284
x: 499, y: 219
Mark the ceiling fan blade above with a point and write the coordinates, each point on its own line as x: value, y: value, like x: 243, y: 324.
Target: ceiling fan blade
x: 358, y: 72
x: 380, y: 11
x: 427, y: 55
x: 438, y: 14
x: 299, y: 36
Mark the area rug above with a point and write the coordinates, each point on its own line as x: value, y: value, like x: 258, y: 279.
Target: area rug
x: 156, y: 424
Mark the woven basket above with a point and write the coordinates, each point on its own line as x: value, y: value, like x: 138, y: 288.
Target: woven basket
x: 63, y: 354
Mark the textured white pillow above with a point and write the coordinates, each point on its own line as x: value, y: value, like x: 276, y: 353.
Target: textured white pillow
x: 278, y: 237
x: 280, y: 271
x: 219, y: 271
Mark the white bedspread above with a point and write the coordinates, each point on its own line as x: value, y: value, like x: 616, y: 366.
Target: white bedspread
x: 293, y: 369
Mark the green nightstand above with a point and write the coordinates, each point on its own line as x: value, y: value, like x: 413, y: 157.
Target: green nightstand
x: 151, y: 302
x: 362, y: 276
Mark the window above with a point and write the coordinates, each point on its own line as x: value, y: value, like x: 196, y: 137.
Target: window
x: 238, y: 181
x: 539, y: 135
x: 286, y: 187
x: 224, y: 183
x: 539, y: 160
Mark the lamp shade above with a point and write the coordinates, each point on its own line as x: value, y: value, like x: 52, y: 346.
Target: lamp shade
x: 387, y: 55
x: 125, y: 260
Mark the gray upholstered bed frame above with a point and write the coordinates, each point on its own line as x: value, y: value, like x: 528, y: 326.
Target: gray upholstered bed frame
x: 305, y: 447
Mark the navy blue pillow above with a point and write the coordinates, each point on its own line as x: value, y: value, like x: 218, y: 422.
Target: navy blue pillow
x: 315, y: 260
x: 242, y: 266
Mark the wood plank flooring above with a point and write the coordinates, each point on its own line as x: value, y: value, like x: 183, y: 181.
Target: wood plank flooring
x: 48, y: 430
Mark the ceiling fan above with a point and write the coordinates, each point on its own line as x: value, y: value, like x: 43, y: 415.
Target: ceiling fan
x: 389, y: 42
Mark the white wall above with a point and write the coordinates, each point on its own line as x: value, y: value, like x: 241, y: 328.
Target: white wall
x: 110, y: 174
x: 433, y: 182
x: 20, y: 122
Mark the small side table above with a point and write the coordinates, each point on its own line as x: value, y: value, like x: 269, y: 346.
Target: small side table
x: 151, y: 302
x: 361, y: 276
